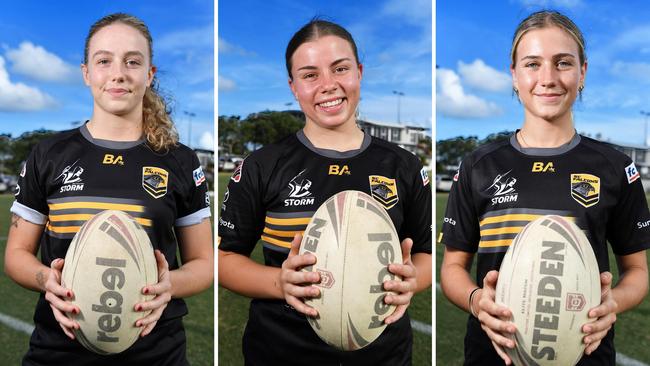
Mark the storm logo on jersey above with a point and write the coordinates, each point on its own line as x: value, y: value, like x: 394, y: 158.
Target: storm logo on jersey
x: 299, y: 193
x: 503, y: 189
x: 154, y: 181
x: 71, y: 178
x: 585, y: 189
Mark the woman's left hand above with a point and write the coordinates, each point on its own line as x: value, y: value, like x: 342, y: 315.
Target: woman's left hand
x: 162, y: 292
x: 404, y: 288
x: 604, y: 314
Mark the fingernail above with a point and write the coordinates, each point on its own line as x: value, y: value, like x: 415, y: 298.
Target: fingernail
x: 146, y: 290
x: 69, y: 294
x: 138, y: 307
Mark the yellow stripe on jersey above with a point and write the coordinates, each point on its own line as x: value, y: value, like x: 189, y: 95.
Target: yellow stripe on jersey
x: 502, y: 230
x: 277, y: 242
x: 285, y: 234
x: 63, y: 229
x: 96, y: 205
x: 510, y: 217
x: 495, y: 243
x: 86, y: 217
x: 292, y: 221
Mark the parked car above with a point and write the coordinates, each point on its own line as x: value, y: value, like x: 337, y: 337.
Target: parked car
x: 443, y: 183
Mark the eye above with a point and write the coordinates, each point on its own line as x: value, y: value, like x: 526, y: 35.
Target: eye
x: 309, y: 76
x: 133, y: 63
x: 532, y: 65
x: 103, y: 61
x: 341, y: 69
x: 564, y: 64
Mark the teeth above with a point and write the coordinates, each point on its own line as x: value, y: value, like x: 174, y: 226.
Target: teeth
x: 332, y: 103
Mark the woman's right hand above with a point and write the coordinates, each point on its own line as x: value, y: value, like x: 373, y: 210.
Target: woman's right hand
x: 56, y: 294
x: 494, y: 318
x: 295, y: 284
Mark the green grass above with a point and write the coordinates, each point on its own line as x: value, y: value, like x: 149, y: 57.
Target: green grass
x: 233, y: 314
x: 632, y: 336
x: 20, y: 303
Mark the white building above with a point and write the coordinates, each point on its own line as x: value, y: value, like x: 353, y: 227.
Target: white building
x: 407, y: 137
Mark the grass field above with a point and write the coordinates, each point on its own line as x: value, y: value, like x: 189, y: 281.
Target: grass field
x: 233, y: 313
x: 632, y: 335
x: 20, y: 303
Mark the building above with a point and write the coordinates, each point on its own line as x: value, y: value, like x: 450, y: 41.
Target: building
x: 407, y: 137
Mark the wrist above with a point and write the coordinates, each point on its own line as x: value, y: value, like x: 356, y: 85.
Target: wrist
x: 471, y: 301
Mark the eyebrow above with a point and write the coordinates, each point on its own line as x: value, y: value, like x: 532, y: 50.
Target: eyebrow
x: 310, y: 67
x: 556, y: 56
x: 129, y: 53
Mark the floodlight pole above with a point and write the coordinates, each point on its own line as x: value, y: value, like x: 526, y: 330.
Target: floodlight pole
x: 189, y: 128
x: 645, y: 133
x: 399, y: 95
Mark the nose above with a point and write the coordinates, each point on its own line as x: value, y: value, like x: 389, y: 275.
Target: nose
x: 117, y: 71
x: 328, y: 82
x: 549, y: 74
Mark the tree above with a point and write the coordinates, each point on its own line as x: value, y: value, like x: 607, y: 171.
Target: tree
x: 23, y: 145
x: 267, y: 127
x: 450, y: 152
x: 231, y: 136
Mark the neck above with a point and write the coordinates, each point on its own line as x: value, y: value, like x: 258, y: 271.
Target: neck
x: 541, y: 133
x: 342, y: 138
x: 108, y: 126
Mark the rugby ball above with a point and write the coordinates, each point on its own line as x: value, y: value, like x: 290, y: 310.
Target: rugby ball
x: 107, y: 264
x: 354, y: 241
x: 549, y: 279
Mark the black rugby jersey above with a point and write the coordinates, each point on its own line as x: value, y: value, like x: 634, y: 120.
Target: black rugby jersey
x: 501, y: 187
x: 273, y: 194
x: 72, y: 176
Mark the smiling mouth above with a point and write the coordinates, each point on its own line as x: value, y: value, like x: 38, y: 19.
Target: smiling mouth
x: 331, y: 103
x: 117, y: 91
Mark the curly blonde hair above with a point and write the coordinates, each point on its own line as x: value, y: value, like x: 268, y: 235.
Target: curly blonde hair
x: 157, y: 125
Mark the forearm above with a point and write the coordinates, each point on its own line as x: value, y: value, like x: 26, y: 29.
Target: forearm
x: 422, y: 262
x: 246, y: 277
x: 457, y: 285
x: 631, y: 288
x: 191, y: 278
x: 25, y: 269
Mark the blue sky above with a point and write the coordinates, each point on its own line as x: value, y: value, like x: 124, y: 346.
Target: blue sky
x: 473, y: 91
x: 394, y: 43
x: 41, y: 47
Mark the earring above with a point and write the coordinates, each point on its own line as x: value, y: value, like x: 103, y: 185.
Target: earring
x: 581, y: 87
x: 515, y: 90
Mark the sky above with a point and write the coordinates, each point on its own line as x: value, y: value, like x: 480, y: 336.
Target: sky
x: 473, y: 82
x: 394, y: 43
x: 41, y: 48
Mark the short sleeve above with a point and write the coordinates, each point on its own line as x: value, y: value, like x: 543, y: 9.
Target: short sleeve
x: 460, y: 228
x: 242, y: 213
x: 417, y: 218
x: 195, y: 201
x: 628, y: 229
x: 30, y: 203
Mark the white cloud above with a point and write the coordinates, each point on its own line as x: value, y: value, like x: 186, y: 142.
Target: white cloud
x: 452, y: 101
x: 638, y: 71
x: 415, y: 10
x: 226, y: 47
x: 181, y: 40
x: 226, y: 84
x: 414, y: 109
x: 206, y: 141
x: 483, y: 77
x: 39, y: 64
x: 17, y: 97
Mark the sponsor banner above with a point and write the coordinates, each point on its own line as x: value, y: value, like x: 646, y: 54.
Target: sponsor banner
x: 198, y: 176
x: 632, y: 173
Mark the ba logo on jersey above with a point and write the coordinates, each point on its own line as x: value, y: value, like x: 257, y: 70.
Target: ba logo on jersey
x: 541, y: 167
x: 71, y: 178
x: 336, y: 169
x: 384, y: 190
x: 631, y: 173
x: 585, y: 189
x: 110, y: 159
x: 299, y: 193
x: 154, y: 181
x: 503, y: 189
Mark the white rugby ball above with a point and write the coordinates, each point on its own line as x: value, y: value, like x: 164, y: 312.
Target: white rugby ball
x: 108, y: 263
x: 549, y: 279
x: 354, y: 241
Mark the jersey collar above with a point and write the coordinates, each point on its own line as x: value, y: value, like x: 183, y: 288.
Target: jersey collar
x: 540, y: 151
x: 115, y: 145
x: 333, y: 153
